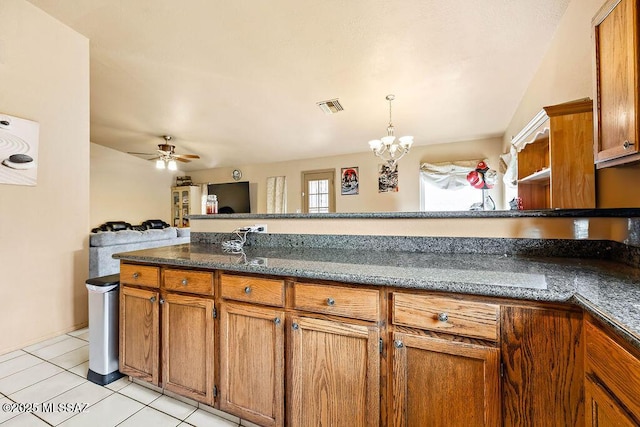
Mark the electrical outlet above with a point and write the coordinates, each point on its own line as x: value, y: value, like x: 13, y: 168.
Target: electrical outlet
x: 259, y: 228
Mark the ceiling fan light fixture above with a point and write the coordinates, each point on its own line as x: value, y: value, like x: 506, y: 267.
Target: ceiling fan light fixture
x: 172, y: 165
x: 160, y: 164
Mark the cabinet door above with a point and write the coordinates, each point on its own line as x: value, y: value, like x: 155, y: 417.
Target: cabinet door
x: 139, y: 333
x: 444, y: 383
x: 543, y: 356
x: 334, y: 377
x: 602, y: 410
x: 252, y: 363
x: 616, y: 59
x: 187, y: 346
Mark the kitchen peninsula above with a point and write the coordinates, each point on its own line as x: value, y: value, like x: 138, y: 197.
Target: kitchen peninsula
x: 400, y: 331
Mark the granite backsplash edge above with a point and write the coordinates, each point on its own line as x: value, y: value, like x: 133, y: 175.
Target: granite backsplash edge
x: 564, y: 248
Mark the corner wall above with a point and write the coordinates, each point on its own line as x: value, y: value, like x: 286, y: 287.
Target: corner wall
x: 44, y: 70
x: 126, y: 188
x: 566, y: 74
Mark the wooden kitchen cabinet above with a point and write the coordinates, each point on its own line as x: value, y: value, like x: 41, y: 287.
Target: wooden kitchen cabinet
x: 140, y: 333
x: 188, y: 346
x: 615, y: 35
x: 542, y: 352
x: 555, y: 158
x: 603, y: 410
x: 612, y: 380
x: 334, y: 373
x: 445, y: 370
x: 252, y: 363
x: 444, y: 383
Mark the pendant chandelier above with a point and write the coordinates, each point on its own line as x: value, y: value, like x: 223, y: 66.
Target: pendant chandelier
x: 387, y: 148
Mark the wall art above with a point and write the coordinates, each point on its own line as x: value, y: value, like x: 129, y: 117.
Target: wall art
x: 350, y: 181
x: 18, y: 150
x: 387, y: 178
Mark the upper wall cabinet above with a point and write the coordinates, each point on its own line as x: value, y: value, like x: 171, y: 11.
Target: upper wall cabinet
x: 555, y: 158
x: 615, y: 35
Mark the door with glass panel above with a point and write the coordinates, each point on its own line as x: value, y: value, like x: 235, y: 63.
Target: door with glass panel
x: 318, y: 191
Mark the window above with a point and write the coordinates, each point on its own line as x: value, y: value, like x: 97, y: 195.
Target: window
x: 318, y: 191
x: 446, y: 199
x: 444, y: 186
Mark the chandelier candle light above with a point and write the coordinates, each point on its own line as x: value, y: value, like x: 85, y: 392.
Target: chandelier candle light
x: 387, y: 148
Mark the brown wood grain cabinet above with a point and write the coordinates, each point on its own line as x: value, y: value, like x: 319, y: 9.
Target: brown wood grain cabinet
x: 188, y: 346
x: 441, y: 375
x: 615, y: 35
x: 295, y: 354
x: 252, y: 363
x: 555, y: 167
x: 334, y: 373
x: 612, y: 375
x: 140, y: 333
x: 439, y: 382
x: 542, y: 352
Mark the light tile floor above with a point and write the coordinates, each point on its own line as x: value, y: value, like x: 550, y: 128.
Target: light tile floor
x: 54, y: 372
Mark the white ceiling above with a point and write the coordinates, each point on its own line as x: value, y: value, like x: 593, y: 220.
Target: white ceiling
x: 237, y: 82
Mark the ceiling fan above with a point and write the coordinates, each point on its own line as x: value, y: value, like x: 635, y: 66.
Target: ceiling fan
x: 166, y: 156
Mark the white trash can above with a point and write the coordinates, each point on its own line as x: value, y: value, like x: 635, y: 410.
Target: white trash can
x: 103, y: 329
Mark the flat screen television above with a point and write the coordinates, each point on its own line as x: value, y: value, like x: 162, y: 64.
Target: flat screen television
x: 233, y: 197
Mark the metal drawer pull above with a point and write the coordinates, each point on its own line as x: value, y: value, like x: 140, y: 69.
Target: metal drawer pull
x: 295, y: 326
x: 276, y: 320
x: 443, y: 317
x: 185, y: 281
x: 136, y: 275
x: 627, y: 144
x: 247, y: 290
x: 152, y: 299
x: 398, y: 344
x: 331, y: 301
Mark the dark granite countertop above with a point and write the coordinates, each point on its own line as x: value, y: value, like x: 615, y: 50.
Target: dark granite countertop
x: 610, y: 291
x: 541, y: 213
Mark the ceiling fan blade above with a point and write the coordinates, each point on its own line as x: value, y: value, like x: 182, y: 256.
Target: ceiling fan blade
x: 141, y: 154
x: 181, y: 160
x: 154, y: 158
x: 187, y: 156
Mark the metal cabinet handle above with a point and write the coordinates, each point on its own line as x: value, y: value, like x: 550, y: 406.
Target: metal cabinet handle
x: 398, y: 344
x: 276, y: 320
x: 627, y: 144
x: 136, y: 275
x: 443, y: 317
x: 152, y: 299
x: 331, y: 301
x: 161, y: 301
x: 247, y: 290
x: 295, y: 326
x: 185, y: 281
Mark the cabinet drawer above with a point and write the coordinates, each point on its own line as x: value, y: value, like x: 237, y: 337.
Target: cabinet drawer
x: 348, y: 302
x: 197, y: 282
x: 614, y: 366
x: 143, y: 275
x: 252, y: 289
x: 448, y: 315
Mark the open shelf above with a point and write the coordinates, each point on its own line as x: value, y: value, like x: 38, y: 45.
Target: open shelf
x: 540, y: 177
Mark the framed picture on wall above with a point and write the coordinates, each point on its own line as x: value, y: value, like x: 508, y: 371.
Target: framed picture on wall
x: 18, y: 150
x: 350, y: 181
x: 387, y: 178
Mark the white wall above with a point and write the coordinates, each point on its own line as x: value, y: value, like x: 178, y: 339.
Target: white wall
x: 407, y: 199
x: 565, y: 74
x: 44, y: 77
x: 127, y: 188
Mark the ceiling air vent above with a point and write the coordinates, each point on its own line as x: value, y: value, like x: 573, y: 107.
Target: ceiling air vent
x: 331, y: 106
